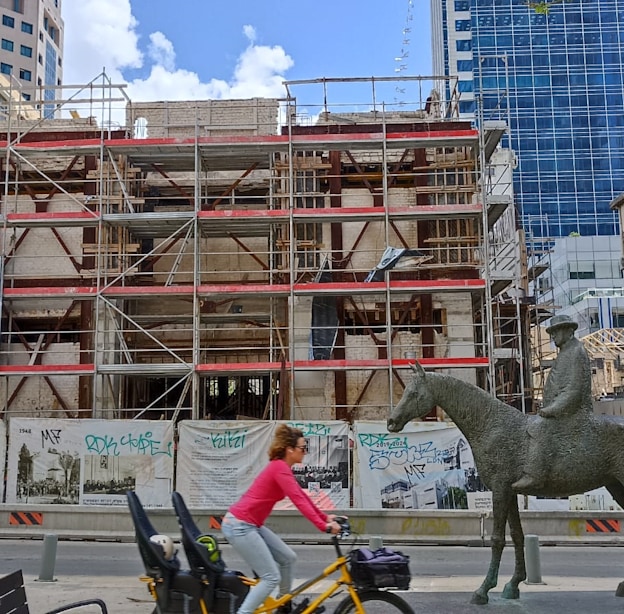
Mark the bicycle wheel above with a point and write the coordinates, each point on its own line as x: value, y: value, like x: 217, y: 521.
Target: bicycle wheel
x: 375, y: 602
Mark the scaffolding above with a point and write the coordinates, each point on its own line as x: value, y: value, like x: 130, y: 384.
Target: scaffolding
x: 506, y: 268
x: 267, y: 258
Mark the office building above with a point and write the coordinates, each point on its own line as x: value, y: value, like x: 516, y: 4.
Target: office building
x: 586, y: 282
x: 558, y: 79
x: 31, y: 48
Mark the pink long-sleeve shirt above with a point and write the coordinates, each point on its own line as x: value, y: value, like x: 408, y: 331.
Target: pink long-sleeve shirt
x: 275, y: 482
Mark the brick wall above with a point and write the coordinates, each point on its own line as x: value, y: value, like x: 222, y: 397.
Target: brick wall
x: 255, y: 116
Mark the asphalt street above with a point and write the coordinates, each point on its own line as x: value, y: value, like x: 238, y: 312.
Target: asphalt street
x: 576, y: 579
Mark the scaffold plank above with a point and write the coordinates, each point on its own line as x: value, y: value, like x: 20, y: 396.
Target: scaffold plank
x: 45, y: 370
x: 344, y: 214
x: 414, y: 285
x: 239, y: 367
x: 74, y: 292
x: 53, y: 219
x: 342, y: 288
x: 139, y: 291
x: 275, y: 290
x: 262, y: 143
x: 339, y: 365
x: 439, y: 363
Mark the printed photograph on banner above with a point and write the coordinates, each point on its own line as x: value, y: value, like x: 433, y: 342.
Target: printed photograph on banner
x: 424, y: 467
x: 444, y: 490
x: 3, y: 440
x: 109, y: 475
x: 44, y: 461
x: 127, y: 455
x: 324, y: 474
x: 218, y: 460
x: 89, y: 462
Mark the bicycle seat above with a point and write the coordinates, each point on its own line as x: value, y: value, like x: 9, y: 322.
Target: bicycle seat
x: 151, y: 554
x: 206, y: 563
x: 202, y: 550
x: 175, y: 590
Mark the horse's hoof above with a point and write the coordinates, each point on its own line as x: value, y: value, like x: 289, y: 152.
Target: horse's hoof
x: 511, y: 592
x: 479, y: 598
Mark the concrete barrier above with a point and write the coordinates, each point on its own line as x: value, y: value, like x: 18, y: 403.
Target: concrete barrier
x: 457, y: 527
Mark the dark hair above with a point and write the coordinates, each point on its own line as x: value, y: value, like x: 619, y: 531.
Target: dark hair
x: 285, y: 437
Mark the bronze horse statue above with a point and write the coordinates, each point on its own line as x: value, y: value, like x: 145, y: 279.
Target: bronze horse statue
x: 592, y: 457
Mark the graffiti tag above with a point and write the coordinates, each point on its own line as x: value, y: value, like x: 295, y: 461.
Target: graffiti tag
x: 310, y: 429
x: 51, y: 435
x: 386, y: 450
x: 143, y: 443
x: 233, y: 440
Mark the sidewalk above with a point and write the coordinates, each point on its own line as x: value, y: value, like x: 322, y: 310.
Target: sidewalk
x: 577, y: 580
x: 428, y: 594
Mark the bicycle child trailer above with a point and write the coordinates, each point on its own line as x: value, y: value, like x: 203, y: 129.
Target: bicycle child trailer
x: 382, y: 568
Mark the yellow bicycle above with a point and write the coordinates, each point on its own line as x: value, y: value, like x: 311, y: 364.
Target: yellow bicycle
x: 207, y: 587
x: 361, y: 598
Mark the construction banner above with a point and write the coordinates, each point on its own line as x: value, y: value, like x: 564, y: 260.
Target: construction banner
x: 427, y: 466
x: 218, y: 461
x: 2, y: 457
x: 325, y: 472
x: 89, y: 462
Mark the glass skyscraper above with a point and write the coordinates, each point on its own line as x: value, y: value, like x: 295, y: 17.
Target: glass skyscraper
x: 558, y: 80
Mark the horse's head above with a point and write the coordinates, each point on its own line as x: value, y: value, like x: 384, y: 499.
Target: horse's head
x: 415, y: 403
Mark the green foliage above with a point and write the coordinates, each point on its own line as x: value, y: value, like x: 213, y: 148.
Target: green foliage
x: 455, y: 499
x: 543, y: 6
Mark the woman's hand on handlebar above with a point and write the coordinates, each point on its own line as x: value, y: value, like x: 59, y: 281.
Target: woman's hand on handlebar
x: 336, y: 524
x: 333, y: 527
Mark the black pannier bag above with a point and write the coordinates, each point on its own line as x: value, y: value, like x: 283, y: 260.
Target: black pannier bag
x: 382, y: 568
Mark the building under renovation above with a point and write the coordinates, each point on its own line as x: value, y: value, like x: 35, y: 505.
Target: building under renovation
x: 267, y: 258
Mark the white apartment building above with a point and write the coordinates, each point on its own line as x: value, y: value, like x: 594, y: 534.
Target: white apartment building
x: 586, y: 281
x: 31, y: 47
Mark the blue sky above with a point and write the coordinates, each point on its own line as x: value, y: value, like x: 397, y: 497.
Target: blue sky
x: 193, y: 49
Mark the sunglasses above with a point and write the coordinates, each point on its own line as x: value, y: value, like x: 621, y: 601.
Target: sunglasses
x: 302, y: 448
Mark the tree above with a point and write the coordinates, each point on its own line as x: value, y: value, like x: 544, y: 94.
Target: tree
x: 543, y: 6
x: 455, y: 499
x: 67, y: 462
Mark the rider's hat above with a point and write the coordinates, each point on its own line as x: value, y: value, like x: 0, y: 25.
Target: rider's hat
x: 561, y: 322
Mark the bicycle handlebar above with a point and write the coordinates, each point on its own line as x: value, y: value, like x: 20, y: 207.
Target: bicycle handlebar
x: 345, y: 531
x: 345, y: 527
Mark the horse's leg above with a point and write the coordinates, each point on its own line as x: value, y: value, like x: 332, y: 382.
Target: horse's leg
x: 500, y: 499
x: 511, y: 590
x: 617, y: 492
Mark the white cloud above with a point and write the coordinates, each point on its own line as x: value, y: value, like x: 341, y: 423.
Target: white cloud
x: 250, y: 33
x: 161, y: 51
x: 163, y: 84
x: 259, y: 72
x: 103, y: 34
x: 99, y: 34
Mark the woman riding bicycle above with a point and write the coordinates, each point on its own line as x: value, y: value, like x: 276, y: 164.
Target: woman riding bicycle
x: 243, y: 525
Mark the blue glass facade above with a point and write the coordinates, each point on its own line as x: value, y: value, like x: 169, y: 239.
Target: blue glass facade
x: 560, y: 80
x: 50, y: 78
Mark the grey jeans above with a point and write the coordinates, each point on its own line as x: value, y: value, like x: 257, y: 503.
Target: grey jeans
x: 267, y: 555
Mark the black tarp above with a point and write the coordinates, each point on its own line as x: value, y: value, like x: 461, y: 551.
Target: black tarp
x: 324, y: 320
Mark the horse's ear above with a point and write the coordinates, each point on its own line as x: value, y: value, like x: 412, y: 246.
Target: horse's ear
x: 418, y: 370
